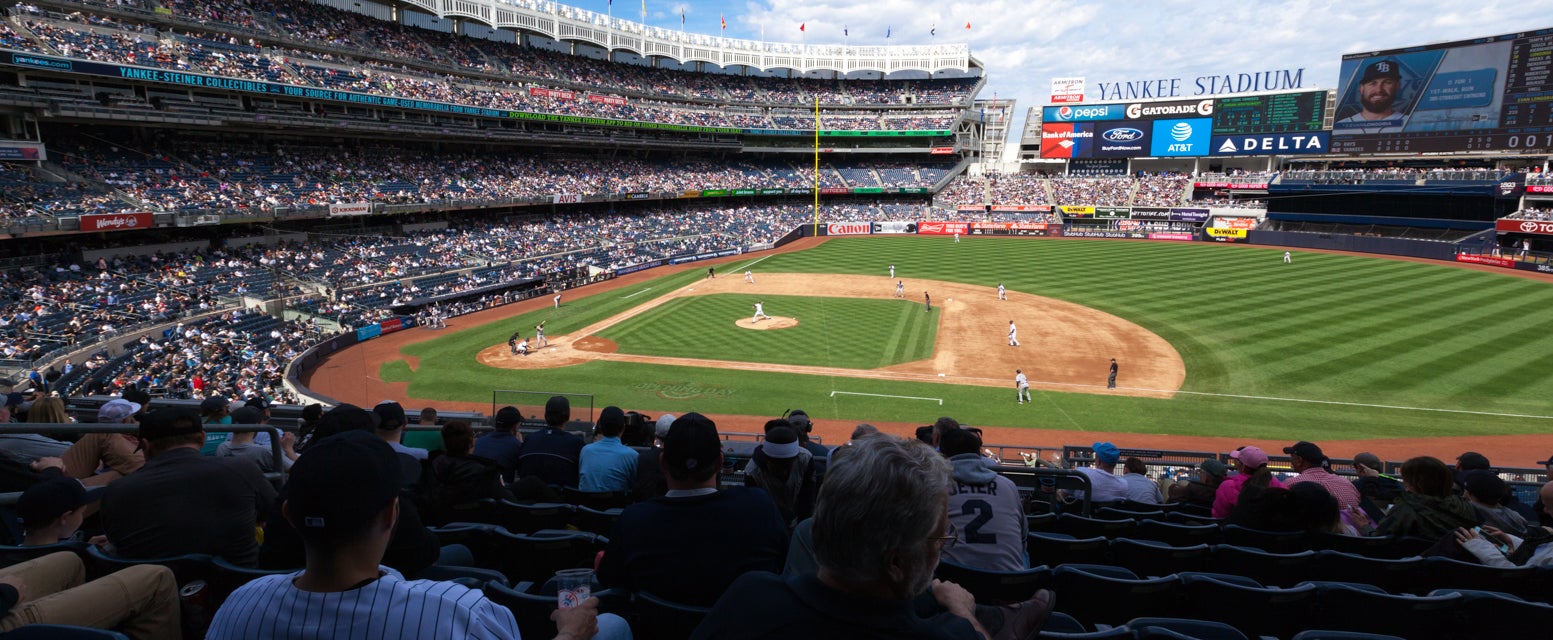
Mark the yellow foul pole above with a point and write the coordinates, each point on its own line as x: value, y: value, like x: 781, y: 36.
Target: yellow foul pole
x: 816, y: 165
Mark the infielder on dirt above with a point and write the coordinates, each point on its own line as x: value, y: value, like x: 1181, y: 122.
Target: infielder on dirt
x: 749, y: 276
x: 1022, y: 384
x: 1013, y: 334
x: 760, y: 312
x: 900, y: 288
x: 892, y: 271
x: 1002, y: 293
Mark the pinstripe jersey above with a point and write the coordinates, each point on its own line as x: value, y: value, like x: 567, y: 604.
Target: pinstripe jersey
x: 389, y: 607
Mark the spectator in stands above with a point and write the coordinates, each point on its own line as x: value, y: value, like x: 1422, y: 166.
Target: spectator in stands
x: 390, y: 428
x: 140, y: 601
x: 879, y: 528
x: 984, y: 507
x: 940, y: 426
x: 1301, y: 507
x: 551, y: 453
x: 1250, y: 465
x: 428, y: 438
x: 181, y: 502
x: 607, y: 465
x: 310, y: 415
x: 86, y: 457
x: 242, y: 445
x: 1104, y: 484
x: 784, y: 469
x: 799, y: 420
x: 51, y: 511
x: 1429, y: 509
x: 1140, y: 487
x: 1312, y: 465
x: 462, y: 477
x: 641, y: 436
x: 343, y: 499
x: 502, y: 445
x: 691, y: 544
x: 214, y: 410
x: 1373, y: 484
x: 412, y: 547
x: 1486, y: 492
x: 1200, y: 491
x: 1526, y: 551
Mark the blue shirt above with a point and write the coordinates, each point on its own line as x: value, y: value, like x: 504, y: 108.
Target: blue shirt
x: 502, y: 447
x: 607, y: 465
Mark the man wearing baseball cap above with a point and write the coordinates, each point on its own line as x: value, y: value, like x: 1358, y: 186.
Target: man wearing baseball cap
x: 690, y: 544
x: 1106, y: 485
x: 1378, y: 88
x: 343, y: 499
x: 1307, y: 459
x: 116, y: 451
x: 551, y: 453
x: 502, y: 445
x: 183, y: 502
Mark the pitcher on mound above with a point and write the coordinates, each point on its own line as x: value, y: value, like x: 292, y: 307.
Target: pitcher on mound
x: 760, y: 312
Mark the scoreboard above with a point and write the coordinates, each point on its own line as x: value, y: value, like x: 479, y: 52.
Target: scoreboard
x: 1487, y: 94
x: 1270, y: 113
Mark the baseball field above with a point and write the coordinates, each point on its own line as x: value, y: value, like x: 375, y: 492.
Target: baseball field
x: 1211, y: 341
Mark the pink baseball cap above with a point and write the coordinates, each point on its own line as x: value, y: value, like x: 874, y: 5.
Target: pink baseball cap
x: 1252, y: 457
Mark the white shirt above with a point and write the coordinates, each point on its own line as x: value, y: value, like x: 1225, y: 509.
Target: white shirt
x: 1108, y: 486
x: 1021, y: 381
x: 1012, y: 330
x: 389, y: 607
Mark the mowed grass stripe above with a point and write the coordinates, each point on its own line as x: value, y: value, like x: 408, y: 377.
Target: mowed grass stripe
x: 831, y: 332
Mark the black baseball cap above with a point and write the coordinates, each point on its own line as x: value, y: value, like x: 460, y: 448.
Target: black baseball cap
x: 1387, y: 68
x: 167, y: 422
x: 390, y: 414
x: 258, y: 402
x: 1307, y: 450
x: 342, y: 482
x: 612, y: 418
x: 247, y: 414
x: 1472, y: 461
x: 41, y: 503
x: 508, y: 417
x: 213, y: 404
x: 558, y: 410
x: 692, y: 445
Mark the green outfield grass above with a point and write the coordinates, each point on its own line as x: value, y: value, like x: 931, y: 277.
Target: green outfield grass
x: 831, y: 332
x: 1258, y: 338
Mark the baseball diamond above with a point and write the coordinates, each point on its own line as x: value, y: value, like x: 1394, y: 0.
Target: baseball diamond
x: 1260, y: 354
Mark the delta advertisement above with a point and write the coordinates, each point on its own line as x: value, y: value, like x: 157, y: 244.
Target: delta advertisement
x: 1272, y: 144
x: 116, y: 222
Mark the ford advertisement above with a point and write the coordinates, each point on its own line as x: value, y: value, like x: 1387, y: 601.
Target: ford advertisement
x: 1121, y: 140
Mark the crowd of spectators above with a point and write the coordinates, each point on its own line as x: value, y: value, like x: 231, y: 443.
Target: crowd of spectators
x: 398, y: 60
x: 1532, y: 213
x: 1393, y: 175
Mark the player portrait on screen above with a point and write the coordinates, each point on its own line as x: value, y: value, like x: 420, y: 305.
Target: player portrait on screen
x: 1380, y: 108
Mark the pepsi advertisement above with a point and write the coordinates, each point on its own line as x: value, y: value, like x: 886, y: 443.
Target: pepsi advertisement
x: 1084, y: 113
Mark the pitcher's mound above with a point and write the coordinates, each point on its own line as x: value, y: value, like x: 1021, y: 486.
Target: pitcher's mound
x: 767, y: 324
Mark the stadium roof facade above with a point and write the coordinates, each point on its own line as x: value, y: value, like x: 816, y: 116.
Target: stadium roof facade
x: 561, y: 22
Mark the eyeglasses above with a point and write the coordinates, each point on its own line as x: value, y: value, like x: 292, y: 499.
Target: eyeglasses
x: 951, y: 536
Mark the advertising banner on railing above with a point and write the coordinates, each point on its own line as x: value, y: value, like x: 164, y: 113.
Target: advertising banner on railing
x: 1223, y: 184
x: 1494, y: 261
x: 849, y: 229
x: 743, y: 192
x: 18, y: 150
x: 913, y: 190
x: 614, y: 100
x: 1091, y: 232
x: 391, y: 325
x: 1074, y: 211
x: 773, y: 192
x: 714, y: 193
x: 1226, y: 235
x: 935, y: 228
x: 558, y: 94
x: 638, y: 267
x: 895, y: 227
x: 834, y: 191
x: 116, y: 222
x: 349, y: 209
x: 368, y: 332
x: 1151, y: 213
x: 1525, y: 226
x: 1179, y: 237
x: 1112, y: 212
x: 1189, y: 215
x: 1539, y: 188
x: 565, y: 198
x: 1011, y: 228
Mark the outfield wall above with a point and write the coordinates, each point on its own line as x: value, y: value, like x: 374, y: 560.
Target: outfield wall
x: 1431, y: 249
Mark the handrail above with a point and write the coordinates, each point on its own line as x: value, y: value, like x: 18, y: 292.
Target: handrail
x: 134, y: 429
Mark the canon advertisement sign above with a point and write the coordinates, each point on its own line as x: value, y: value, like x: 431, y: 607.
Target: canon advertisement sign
x: 849, y: 228
x: 116, y: 222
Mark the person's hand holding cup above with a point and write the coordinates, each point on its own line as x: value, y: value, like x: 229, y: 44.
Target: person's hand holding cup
x: 573, y: 586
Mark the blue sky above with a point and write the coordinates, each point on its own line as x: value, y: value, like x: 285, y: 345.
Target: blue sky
x: 1025, y: 43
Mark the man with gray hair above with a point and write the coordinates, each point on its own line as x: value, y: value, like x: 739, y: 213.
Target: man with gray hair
x: 879, y: 525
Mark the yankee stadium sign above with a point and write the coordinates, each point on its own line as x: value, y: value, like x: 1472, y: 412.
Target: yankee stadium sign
x: 1208, y: 85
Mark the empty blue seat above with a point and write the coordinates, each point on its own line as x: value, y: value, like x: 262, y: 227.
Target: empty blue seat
x: 1096, y: 599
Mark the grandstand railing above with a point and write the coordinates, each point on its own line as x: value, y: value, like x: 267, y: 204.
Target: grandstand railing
x: 52, y: 429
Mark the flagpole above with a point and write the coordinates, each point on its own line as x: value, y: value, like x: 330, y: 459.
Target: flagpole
x: 816, y: 166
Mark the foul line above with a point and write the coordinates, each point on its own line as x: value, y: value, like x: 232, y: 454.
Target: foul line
x: 881, y: 395
x: 757, y: 261
x: 636, y: 294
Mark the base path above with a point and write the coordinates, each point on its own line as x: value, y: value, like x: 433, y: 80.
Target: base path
x: 1063, y: 346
